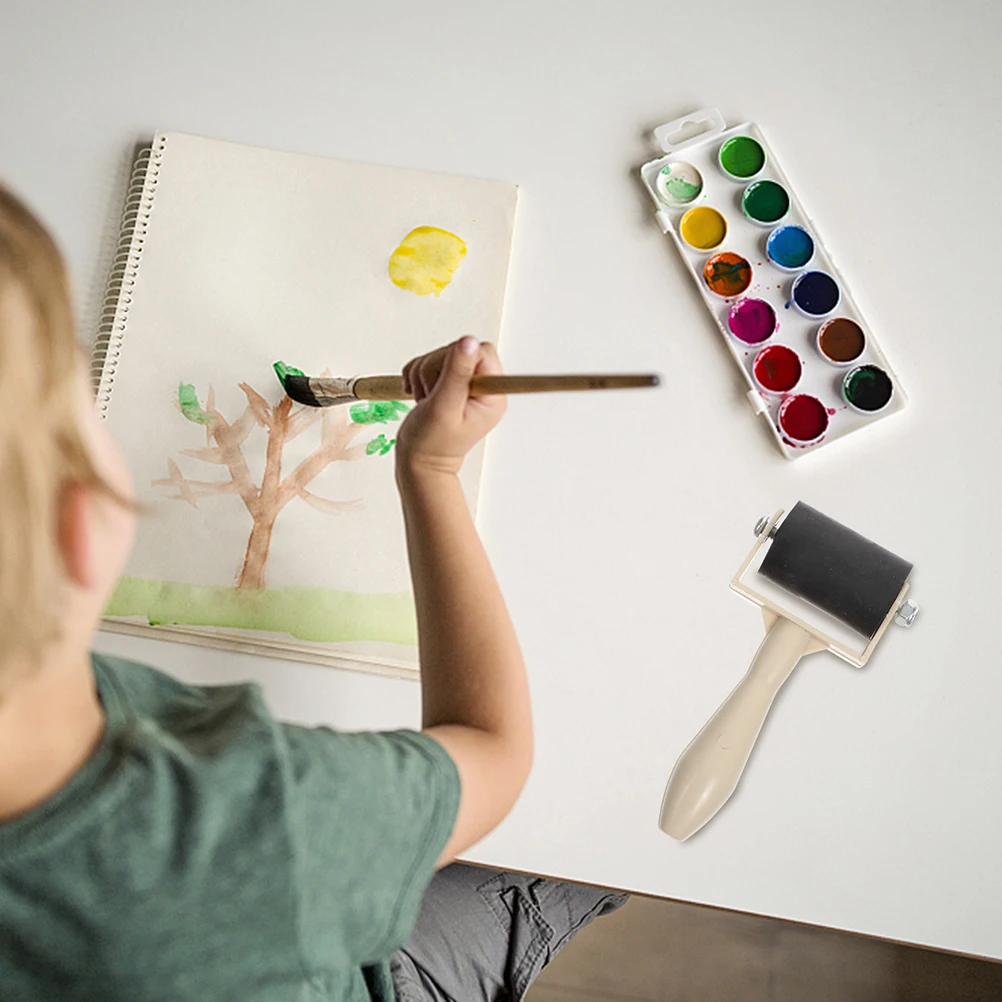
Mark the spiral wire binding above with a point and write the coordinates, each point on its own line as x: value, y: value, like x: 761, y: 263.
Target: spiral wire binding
x: 114, y: 320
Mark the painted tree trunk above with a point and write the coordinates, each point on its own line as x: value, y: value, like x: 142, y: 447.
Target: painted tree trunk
x: 269, y: 502
x: 256, y: 556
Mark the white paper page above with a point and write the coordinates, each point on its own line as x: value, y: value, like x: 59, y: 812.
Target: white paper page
x: 254, y: 256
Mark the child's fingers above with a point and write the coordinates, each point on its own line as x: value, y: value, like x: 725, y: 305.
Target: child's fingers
x: 406, y: 376
x: 426, y: 372
x: 489, y: 363
x: 430, y: 367
x: 452, y: 389
x: 420, y: 373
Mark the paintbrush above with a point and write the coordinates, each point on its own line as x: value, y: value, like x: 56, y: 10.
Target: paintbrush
x: 326, y: 391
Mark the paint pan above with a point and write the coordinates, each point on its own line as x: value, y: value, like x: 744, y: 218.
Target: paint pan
x: 741, y: 157
x: 803, y: 418
x: 790, y: 247
x: 767, y: 281
x: 752, y: 321
x: 765, y: 202
x: 678, y: 183
x: 727, y: 274
x: 703, y: 228
x: 867, y: 389
x: 841, y: 341
x: 777, y: 369
x: 815, y: 293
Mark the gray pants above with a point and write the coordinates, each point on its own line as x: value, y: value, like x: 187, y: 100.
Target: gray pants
x: 484, y: 935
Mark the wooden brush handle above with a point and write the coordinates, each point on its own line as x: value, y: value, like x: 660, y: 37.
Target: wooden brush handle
x: 380, y: 388
x: 707, y: 772
x: 392, y: 387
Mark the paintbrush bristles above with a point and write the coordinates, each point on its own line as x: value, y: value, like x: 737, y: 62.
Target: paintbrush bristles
x: 299, y: 388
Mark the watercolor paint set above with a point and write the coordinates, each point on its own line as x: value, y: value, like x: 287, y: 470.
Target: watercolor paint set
x: 812, y: 363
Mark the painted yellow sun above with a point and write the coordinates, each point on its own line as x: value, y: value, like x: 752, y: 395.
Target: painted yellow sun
x: 426, y: 260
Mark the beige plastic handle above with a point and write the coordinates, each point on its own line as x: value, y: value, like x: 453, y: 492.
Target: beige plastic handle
x: 707, y: 772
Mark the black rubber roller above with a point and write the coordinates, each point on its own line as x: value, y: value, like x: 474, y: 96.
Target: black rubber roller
x: 835, y: 569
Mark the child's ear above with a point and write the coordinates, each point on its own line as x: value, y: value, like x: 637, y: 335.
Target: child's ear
x: 74, y: 534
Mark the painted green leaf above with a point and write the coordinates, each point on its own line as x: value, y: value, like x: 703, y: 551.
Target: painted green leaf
x: 380, y: 444
x: 190, y: 407
x: 378, y: 411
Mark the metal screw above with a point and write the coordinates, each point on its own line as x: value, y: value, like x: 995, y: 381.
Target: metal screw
x: 761, y: 524
x: 906, y: 613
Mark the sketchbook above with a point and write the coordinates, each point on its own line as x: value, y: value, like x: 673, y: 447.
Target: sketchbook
x: 268, y: 527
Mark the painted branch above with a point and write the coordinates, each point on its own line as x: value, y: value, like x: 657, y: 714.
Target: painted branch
x: 229, y: 443
x: 326, y: 505
x: 210, y: 454
x: 201, y: 488
x: 300, y: 421
x: 263, y: 412
x: 243, y: 426
x: 337, y: 433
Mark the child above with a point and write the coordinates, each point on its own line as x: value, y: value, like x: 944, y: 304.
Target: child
x: 166, y: 841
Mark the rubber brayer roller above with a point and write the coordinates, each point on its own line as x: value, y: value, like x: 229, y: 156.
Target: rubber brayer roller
x: 834, y: 569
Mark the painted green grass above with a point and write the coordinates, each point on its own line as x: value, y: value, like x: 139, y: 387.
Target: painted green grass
x: 316, y: 614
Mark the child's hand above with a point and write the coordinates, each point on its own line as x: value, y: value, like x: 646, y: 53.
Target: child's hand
x: 447, y: 422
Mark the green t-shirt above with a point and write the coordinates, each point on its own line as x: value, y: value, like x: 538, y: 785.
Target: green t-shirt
x: 208, y: 852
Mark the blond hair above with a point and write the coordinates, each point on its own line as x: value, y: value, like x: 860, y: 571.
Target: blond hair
x: 42, y: 448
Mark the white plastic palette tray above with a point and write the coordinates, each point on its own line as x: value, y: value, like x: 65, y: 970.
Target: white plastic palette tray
x: 820, y: 378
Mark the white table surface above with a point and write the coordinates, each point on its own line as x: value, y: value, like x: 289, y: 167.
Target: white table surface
x: 872, y: 802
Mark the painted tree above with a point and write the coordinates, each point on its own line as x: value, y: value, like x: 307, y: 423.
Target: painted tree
x: 340, y: 428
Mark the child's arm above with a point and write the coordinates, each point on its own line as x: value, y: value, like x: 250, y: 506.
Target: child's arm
x: 474, y: 691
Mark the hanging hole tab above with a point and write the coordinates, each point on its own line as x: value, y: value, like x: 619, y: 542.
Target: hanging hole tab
x: 676, y: 135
